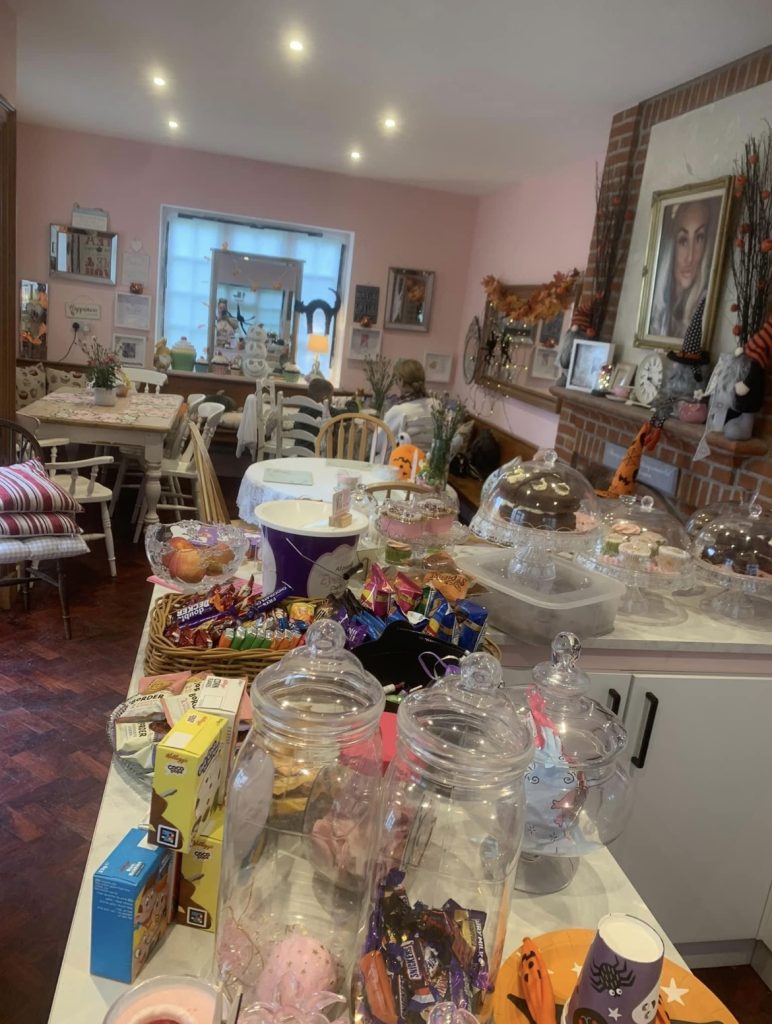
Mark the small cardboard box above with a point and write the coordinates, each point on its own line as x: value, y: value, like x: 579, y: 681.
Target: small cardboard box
x: 131, y: 906
x: 200, y: 876
x: 189, y: 767
x: 212, y: 695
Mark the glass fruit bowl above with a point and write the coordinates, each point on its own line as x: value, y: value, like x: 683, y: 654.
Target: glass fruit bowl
x: 195, y: 556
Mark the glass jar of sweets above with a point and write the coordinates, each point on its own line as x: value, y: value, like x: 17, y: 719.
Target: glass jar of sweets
x: 452, y: 819
x: 302, y: 820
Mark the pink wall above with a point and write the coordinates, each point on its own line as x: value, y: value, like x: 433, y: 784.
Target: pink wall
x: 7, y: 53
x: 394, y: 225
x: 523, y: 234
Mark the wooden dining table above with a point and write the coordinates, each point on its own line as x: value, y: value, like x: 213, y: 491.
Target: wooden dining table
x: 141, y: 420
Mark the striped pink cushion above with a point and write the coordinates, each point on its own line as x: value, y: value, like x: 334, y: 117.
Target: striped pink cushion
x: 26, y: 487
x: 36, y: 524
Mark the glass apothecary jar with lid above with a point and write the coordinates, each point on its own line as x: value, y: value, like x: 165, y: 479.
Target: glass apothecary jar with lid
x: 302, y: 820
x: 578, y: 792
x: 452, y: 816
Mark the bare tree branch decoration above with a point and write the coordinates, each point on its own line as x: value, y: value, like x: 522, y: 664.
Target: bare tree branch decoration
x: 752, y: 249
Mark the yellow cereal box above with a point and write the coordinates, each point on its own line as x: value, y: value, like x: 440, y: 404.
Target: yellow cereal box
x: 200, y: 876
x: 189, y: 767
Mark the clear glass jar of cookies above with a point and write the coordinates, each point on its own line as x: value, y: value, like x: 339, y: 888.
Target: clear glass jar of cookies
x: 301, y: 822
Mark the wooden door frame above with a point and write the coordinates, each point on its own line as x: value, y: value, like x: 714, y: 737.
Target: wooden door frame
x: 8, y: 297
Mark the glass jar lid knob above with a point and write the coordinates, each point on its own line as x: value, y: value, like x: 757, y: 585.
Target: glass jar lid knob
x: 480, y: 672
x: 325, y: 638
x: 566, y: 648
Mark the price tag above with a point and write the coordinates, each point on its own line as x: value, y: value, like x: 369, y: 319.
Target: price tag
x: 341, y: 504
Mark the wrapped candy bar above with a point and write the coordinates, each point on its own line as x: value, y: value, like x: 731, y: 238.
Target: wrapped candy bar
x: 452, y: 586
x: 442, y: 622
x: 470, y: 625
x: 407, y: 593
x: 377, y: 592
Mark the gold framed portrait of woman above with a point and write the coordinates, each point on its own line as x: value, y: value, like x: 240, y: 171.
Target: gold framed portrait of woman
x: 684, y: 263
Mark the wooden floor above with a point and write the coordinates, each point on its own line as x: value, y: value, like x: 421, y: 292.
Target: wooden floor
x: 54, y: 700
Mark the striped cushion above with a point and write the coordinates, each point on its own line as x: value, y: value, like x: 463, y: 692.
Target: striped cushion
x: 36, y: 524
x: 26, y: 487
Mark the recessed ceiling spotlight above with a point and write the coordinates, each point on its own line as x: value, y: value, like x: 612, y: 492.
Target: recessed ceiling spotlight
x: 159, y: 80
x: 174, y: 124
x: 296, y: 45
x: 355, y: 155
x: 390, y: 123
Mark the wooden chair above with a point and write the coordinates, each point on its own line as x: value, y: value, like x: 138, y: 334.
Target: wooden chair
x: 145, y: 380
x: 396, y: 488
x: 174, y: 471
x: 87, y: 490
x: 25, y: 553
x: 290, y: 428
x: 354, y: 435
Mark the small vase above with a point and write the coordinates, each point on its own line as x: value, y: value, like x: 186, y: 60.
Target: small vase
x: 104, y: 396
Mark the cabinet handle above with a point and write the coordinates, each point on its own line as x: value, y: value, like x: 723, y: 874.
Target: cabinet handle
x: 616, y: 699
x: 639, y: 759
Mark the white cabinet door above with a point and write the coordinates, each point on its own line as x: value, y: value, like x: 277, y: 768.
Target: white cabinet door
x: 698, y: 846
x: 609, y: 688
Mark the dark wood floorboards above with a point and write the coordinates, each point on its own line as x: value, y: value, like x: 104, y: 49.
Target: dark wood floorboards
x: 54, y: 700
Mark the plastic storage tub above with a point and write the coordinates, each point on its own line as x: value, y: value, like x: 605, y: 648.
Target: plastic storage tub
x: 578, y: 601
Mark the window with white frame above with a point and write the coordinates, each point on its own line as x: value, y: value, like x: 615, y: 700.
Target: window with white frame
x: 187, y: 240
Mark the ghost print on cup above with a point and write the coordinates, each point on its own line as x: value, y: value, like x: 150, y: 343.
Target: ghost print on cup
x: 619, y: 982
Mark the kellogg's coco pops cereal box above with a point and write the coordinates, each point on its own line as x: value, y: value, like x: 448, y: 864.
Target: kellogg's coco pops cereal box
x: 189, y: 768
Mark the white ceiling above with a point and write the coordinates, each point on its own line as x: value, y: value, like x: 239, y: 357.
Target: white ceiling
x: 487, y: 92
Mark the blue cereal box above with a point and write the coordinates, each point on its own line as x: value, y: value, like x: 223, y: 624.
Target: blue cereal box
x: 131, y: 906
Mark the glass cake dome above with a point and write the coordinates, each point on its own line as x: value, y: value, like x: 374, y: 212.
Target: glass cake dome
x: 734, y: 551
x: 539, y: 508
x: 644, y: 547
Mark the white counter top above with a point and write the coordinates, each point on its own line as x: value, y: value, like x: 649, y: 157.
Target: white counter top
x: 600, y: 886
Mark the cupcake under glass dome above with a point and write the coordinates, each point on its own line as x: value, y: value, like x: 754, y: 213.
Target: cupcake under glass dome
x: 645, y: 548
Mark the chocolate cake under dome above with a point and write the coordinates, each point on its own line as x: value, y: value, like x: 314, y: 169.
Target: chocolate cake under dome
x: 735, y: 552
x: 544, y: 494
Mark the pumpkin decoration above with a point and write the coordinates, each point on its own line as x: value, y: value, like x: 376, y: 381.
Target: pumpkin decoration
x: 404, y: 457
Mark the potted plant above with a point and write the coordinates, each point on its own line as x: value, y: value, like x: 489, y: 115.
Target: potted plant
x: 102, y: 368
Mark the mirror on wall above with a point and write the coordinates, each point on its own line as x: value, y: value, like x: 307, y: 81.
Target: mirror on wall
x: 246, y: 289
x: 84, y: 255
x: 409, y: 299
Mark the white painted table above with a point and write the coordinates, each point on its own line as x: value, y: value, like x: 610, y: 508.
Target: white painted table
x: 599, y: 887
x: 255, y: 489
x: 141, y: 420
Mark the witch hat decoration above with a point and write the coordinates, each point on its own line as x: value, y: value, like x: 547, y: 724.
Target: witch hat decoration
x: 691, y: 348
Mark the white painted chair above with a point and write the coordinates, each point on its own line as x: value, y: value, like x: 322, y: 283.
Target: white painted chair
x: 175, y: 470
x: 87, y: 490
x: 145, y: 380
x: 290, y: 428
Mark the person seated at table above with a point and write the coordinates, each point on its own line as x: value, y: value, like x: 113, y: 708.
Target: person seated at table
x: 412, y: 413
x: 321, y: 391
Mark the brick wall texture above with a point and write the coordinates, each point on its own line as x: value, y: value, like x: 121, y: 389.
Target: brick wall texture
x: 584, y: 434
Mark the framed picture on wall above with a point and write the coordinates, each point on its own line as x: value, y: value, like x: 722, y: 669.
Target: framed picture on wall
x: 365, y: 343
x: 587, y: 358
x: 408, y: 299
x: 130, y: 349
x: 544, y: 363
x: 684, y: 262
x: 438, y: 366
x: 33, y: 320
x: 132, y: 311
x: 366, y: 302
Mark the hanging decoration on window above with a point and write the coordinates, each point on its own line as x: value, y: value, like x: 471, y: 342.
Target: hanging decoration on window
x: 309, y: 308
